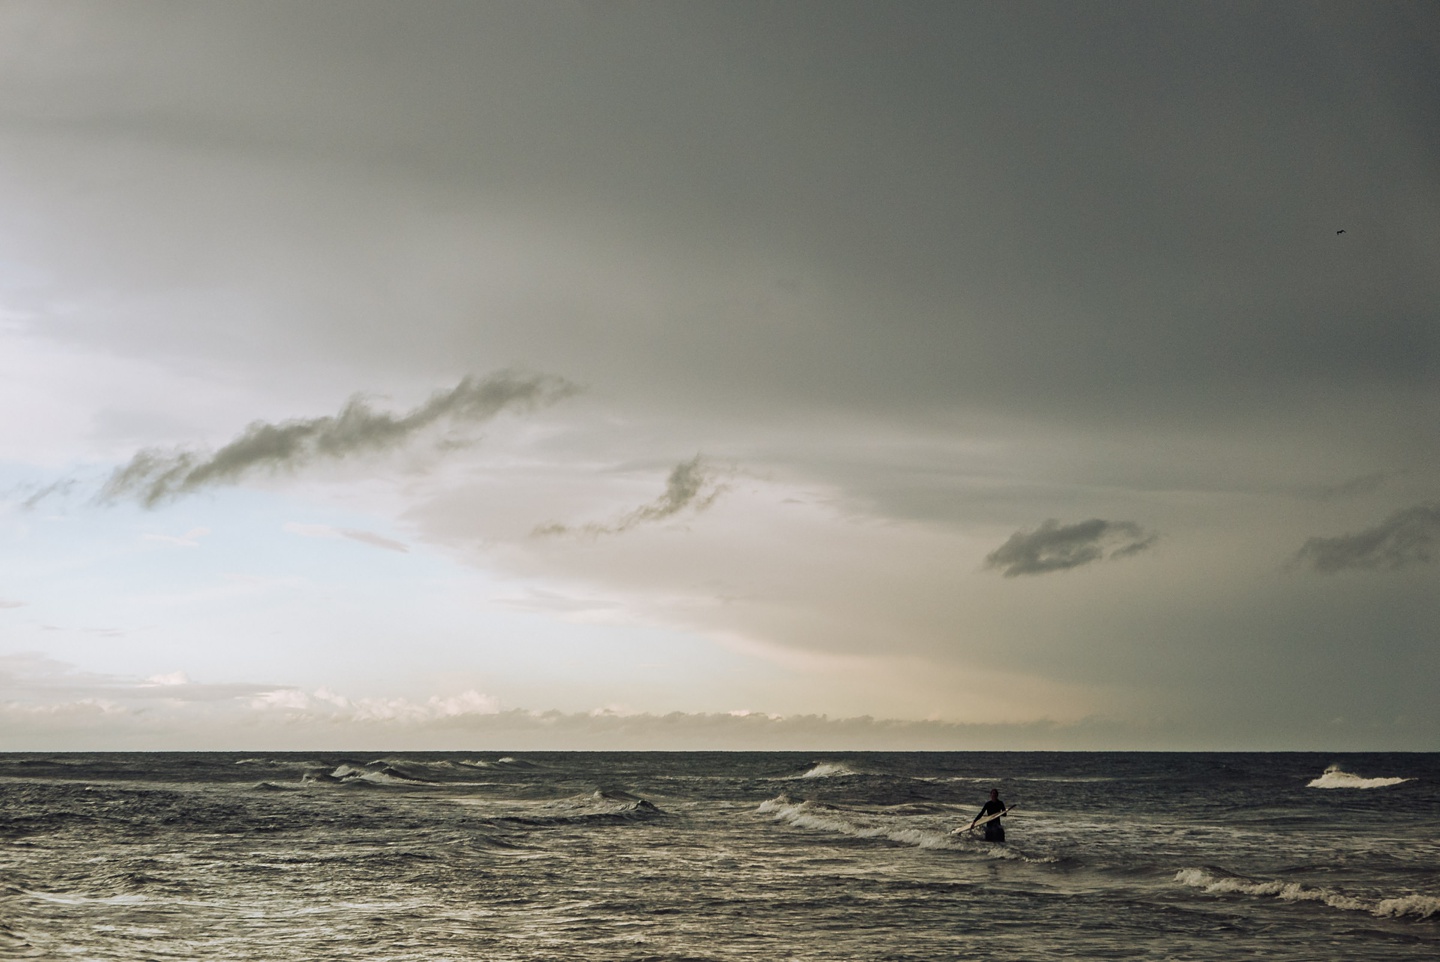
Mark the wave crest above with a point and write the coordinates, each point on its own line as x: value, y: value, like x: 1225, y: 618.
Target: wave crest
x: 828, y: 818
x: 1215, y: 881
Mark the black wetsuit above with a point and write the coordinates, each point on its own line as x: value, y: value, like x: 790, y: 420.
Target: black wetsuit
x: 994, y: 831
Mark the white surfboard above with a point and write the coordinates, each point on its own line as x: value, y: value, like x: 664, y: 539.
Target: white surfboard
x: 988, y: 818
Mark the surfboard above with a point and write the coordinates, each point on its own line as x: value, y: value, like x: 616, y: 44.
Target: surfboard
x: 988, y: 818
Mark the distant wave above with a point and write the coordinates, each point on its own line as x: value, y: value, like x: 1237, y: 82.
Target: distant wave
x: 382, y: 774
x: 272, y: 787
x: 1219, y: 882
x: 1335, y: 778
x: 604, y: 805
x: 830, y: 770
x: 376, y: 773
x: 404, y: 772
x: 502, y: 763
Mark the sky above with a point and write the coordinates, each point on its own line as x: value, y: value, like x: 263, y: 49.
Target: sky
x: 719, y: 375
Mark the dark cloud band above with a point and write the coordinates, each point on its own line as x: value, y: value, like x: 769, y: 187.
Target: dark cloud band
x: 691, y: 485
x: 1405, y: 538
x: 153, y: 476
x: 1057, y: 547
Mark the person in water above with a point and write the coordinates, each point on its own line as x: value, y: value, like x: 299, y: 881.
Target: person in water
x: 994, y: 831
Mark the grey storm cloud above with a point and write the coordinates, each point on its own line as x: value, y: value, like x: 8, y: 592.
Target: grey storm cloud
x: 1405, y: 538
x: 153, y: 476
x: 1057, y: 547
x: 691, y: 485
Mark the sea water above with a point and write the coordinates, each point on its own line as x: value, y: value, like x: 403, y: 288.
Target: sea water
x: 723, y: 856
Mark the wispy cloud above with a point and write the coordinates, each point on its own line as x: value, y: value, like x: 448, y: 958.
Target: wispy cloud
x: 153, y: 476
x: 1057, y: 547
x: 692, y: 486
x: 1354, y: 487
x: 190, y: 539
x: 551, y: 602
x: 37, y: 680
x: 34, y: 495
x: 353, y: 534
x: 1405, y: 538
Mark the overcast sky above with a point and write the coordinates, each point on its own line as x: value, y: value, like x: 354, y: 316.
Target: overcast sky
x: 695, y: 375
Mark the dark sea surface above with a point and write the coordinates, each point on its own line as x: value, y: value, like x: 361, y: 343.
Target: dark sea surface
x: 763, y: 856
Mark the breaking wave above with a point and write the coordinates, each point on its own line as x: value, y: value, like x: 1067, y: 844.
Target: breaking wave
x: 1214, y: 881
x: 1333, y: 777
x: 830, y: 770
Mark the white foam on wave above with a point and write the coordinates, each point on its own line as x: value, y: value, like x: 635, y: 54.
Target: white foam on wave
x: 505, y: 762
x: 384, y: 778
x: 72, y: 899
x: 829, y: 770
x: 1334, y: 777
x: 1215, y: 882
x: 1420, y: 906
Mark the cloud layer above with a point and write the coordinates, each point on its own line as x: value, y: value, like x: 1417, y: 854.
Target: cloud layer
x: 154, y: 476
x: 1407, y: 537
x: 1056, y: 547
x: 929, y: 276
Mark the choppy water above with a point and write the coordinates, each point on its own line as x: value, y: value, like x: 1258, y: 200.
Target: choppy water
x: 722, y: 856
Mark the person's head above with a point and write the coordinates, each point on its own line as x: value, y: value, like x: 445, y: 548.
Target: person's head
x: 994, y: 793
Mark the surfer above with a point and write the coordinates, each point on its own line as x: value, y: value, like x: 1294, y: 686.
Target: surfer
x: 991, y: 813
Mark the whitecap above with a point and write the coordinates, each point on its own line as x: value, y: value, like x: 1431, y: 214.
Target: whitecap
x: 829, y: 770
x: 1420, y: 906
x: 1334, y: 777
x: 1218, y: 882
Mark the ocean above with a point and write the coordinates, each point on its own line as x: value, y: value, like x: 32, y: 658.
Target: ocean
x: 718, y: 856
